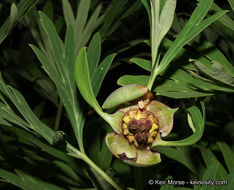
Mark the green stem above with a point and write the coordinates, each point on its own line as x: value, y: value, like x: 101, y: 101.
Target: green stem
x: 58, y: 117
x: 100, y: 172
x: 138, y: 178
x: 154, y: 73
x: 151, y: 80
x: 76, y: 153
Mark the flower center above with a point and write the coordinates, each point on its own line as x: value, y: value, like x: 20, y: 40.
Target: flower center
x: 140, y: 127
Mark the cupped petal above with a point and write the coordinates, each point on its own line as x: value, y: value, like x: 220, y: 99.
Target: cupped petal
x: 127, y: 152
x: 164, y: 115
x: 124, y: 94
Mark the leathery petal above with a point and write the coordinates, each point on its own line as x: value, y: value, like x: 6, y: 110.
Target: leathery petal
x: 122, y: 149
x: 164, y: 115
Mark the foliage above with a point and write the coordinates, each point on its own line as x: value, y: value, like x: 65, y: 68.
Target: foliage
x: 52, y: 135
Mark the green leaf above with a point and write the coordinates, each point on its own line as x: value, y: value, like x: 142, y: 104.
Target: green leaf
x: 217, y: 72
x: 66, y: 169
x: 231, y: 2
x: 111, y: 13
x: 13, y: 13
x: 167, y: 187
x: 7, y: 114
x: 129, y: 79
x: 69, y: 57
x: 84, y: 85
x: 81, y: 17
x: 18, y: 100
x: 213, y: 173
x: 147, y: 7
x: 16, y: 14
x: 208, y: 156
x: 230, y: 180
x: 214, y: 54
x: 93, y: 54
x: 181, y: 85
x: 182, y: 155
x: 224, y: 25
x: 83, y: 25
x: 26, y: 181
x: 101, y: 72
x: 48, y: 9
x: 183, y: 39
x: 193, y: 27
x: 83, y: 80
x: 56, y: 44
x: 227, y: 154
x: 161, y: 23
x: 61, y: 69
x: 47, y: 65
x: 93, y: 22
x: 97, y: 72
x: 33, y: 139
x: 143, y: 63
x: 68, y: 13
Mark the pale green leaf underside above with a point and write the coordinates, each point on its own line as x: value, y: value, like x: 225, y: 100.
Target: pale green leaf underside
x: 83, y: 80
x: 161, y: 23
x: 84, y: 85
x: 217, y: 72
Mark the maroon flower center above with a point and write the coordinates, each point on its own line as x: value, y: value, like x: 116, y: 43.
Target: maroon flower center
x: 140, y: 127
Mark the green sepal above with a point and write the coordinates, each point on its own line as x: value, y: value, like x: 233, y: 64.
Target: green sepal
x: 124, y: 94
x: 164, y: 114
x: 122, y: 149
x: 196, y: 121
x: 115, y: 120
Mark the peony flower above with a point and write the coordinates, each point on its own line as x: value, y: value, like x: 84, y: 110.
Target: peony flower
x: 140, y: 123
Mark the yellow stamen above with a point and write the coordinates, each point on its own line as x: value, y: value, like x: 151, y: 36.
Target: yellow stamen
x: 153, y: 134
x: 130, y: 138
x: 126, y: 119
x: 125, y: 132
x: 153, y: 128
x: 138, y: 116
x: 136, y: 143
x: 151, y: 118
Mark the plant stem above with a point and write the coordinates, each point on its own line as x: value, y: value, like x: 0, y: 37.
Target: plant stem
x: 138, y: 178
x: 154, y: 73
x: 100, y: 172
x: 151, y: 81
x: 77, y: 154
x: 58, y: 116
